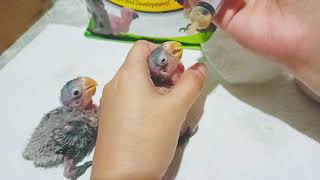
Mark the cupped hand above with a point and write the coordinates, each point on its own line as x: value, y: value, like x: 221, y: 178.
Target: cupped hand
x: 139, y: 126
x: 287, y: 30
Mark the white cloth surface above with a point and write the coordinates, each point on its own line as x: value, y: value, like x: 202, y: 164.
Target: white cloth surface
x: 254, y: 132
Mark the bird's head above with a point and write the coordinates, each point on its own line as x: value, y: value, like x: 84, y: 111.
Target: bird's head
x: 78, y: 93
x: 164, y: 63
x: 129, y: 14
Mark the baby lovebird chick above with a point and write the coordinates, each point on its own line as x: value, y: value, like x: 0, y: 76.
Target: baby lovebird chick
x: 165, y: 65
x: 165, y: 69
x: 67, y: 134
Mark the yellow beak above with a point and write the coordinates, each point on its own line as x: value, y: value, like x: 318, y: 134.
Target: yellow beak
x: 174, y: 48
x: 89, y: 83
x: 90, y: 87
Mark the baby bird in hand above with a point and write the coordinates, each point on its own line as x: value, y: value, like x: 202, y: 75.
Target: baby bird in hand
x: 165, y: 70
x: 165, y: 65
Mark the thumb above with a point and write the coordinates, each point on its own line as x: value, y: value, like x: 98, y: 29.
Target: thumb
x: 189, y: 87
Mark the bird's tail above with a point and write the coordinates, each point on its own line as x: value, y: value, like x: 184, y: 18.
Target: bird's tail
x: 27, y: 153
x: 27, y: 156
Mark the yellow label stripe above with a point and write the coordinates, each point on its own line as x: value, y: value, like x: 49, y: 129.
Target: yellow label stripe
x: 149, y: 5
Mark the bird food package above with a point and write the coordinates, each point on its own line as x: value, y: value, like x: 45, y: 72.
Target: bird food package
x: 153, y: 20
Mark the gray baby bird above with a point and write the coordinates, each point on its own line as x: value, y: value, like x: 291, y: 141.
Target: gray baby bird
x: 67, y: 134
x: 165, y: 69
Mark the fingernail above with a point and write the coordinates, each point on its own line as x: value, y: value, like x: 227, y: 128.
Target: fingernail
x: 202, y: 68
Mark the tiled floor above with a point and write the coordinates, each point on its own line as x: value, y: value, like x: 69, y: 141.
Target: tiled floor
x: 69, y: 12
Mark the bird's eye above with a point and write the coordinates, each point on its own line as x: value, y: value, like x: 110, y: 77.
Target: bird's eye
x: 163, y: 61
x: 76, y: 93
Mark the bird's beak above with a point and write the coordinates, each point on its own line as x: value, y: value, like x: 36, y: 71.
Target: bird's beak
x: 174, y: 48
x: 90, y: 87
x: 135, y: 15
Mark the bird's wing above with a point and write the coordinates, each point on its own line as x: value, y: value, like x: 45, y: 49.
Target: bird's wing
x: 39, y: 144
x: 74, y: 138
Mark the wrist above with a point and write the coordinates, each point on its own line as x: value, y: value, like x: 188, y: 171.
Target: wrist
x: 114, y: 161
x: 116, y: 175
x: 121, y: 169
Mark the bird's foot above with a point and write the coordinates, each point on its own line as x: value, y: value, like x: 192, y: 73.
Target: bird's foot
x: 187, y: 135
x: 184, y: 29
x: 80, y: 170
x: 27, y: 156
x: 72, y: 172
x: 68, y: 171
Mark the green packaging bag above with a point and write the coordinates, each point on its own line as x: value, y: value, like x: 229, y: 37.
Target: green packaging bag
x: 153, y: 20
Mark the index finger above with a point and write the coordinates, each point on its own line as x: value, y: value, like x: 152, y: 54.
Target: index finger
x: 137, y: 58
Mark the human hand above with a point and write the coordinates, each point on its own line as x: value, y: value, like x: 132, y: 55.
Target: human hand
x: 287, y: 30
x: 139, y: 126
